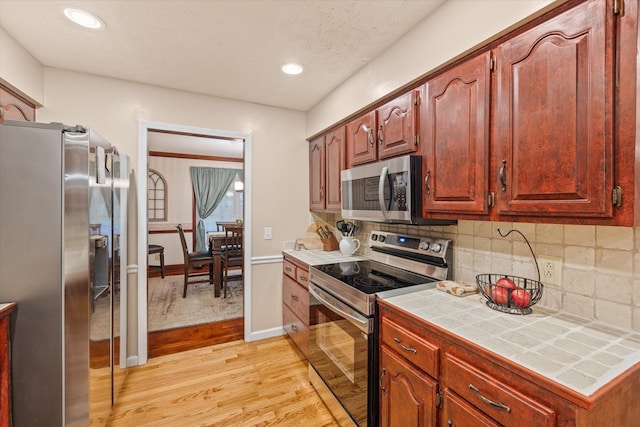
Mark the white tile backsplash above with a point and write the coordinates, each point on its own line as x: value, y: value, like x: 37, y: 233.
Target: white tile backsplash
x: 601, y: 265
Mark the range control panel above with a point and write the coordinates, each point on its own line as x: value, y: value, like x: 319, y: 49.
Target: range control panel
x: 409, y: 244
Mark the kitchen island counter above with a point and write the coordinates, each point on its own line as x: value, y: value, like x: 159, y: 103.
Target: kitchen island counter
x: 579, y: 354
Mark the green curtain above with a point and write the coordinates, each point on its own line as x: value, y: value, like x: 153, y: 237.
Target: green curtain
x: 209, y: 187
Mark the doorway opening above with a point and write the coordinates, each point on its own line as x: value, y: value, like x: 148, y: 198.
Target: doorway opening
x: 167, y: 322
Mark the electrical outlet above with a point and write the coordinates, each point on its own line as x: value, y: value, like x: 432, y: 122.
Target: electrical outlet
x: 550, y: 270
x: 268, y: 233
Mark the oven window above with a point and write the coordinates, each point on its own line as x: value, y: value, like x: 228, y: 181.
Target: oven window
x: 339, y: 352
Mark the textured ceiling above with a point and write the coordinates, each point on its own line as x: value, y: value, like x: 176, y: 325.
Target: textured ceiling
x: 226, y: 48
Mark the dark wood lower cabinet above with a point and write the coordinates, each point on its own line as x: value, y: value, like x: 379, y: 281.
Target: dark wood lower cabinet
x: 407, y: 396
x: 456, y: 412
x: 431, y: 377
x: 5, y: 365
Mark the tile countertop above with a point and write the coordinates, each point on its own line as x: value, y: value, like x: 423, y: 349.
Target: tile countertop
x: 318, y: 256
x: 580, y: 354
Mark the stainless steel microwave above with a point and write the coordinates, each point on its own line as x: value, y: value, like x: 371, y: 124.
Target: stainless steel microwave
x: 386, y: 191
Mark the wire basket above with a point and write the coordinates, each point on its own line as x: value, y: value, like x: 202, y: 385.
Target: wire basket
x: 512, y: 300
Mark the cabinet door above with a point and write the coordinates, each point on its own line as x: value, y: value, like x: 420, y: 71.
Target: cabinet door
x: 361, y: 140
x: 334, y: 146
x: 456, y: 412
x: 398, y: 126
x: 553, y: 106
x: 13, y: 107
x: 316, y: 174
x: 407, y: 396
x: 455, y: 129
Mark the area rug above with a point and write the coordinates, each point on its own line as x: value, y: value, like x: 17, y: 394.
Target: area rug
x: 167, y: 309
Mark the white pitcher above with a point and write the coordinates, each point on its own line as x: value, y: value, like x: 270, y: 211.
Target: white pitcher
x: 348, y: 245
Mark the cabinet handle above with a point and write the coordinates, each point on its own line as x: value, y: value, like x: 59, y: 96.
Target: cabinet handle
x: 302, y: 278
x: 294, y: 328
x: 404, y: 347
x: 380, y: 136
x: 426, y: 182
x: 502, y: 178
x: 487, y: 401
x: 322, y: 193
x: 294, y: 297
x: 369, y: 132
x: 382, y: 387
x: 449, y: 423
x: 288, y: 269
x: 491, y: 199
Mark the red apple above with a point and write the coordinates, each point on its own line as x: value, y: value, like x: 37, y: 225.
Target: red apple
x: 499, y: 295
x: 505, y: 282
x: 521, y: 297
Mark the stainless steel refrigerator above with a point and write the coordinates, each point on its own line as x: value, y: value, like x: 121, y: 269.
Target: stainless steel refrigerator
x: 46, y: 248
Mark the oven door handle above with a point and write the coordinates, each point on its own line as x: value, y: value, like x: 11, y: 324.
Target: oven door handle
x: 341, y: 309
x: 383, y: 178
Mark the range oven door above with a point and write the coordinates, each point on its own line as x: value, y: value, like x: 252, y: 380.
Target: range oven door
x: 342, y: 351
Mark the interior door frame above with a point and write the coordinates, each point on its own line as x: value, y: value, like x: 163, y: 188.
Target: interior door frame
x: 143, y: 128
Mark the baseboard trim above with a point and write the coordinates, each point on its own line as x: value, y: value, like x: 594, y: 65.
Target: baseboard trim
x: 266, y: 333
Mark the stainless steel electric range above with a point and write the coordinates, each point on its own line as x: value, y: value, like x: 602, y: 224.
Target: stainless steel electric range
x: 343, y: 347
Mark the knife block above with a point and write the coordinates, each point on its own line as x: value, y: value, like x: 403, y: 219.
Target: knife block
x: 330, y: 243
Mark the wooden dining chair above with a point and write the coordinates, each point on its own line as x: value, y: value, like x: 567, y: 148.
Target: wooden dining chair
x: 232, y: 256
x: 195, y: 260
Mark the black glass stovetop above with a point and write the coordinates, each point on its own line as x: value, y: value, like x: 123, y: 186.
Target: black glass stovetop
x: 370, y: 277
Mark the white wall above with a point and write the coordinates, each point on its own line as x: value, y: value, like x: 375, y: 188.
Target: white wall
x: 455, y: 27
x: 279, y: 152
x: 19, y: 69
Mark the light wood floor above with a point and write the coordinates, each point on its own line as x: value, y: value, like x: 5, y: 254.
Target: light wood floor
x: 262, y: 383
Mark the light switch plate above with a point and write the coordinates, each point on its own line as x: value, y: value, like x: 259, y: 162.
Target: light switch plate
x: 268, y: 233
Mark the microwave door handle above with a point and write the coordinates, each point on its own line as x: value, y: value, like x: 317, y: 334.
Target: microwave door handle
x: 383, y: 178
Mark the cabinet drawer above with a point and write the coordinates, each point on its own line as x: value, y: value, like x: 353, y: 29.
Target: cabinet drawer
x: 296, y: 297
x: 499, y: 401
x: 458, y: 413
x: 296, y: 329
x: 289, y: 269
x: 413, y: 348
x: 302, y: 276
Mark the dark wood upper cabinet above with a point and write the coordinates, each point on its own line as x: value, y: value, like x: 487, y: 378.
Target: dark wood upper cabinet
x: 334, y: 151
x: 362, y: 145
x: 455, y: 139
x: 326, y: 162
x: 554, y: 116
x: 398, y: 126
x: 316, y: 174
x: 388, y: 131
x: 14, y: 107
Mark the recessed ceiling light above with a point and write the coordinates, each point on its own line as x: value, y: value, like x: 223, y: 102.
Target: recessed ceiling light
x: 83, y: 18
x: 292, y: 68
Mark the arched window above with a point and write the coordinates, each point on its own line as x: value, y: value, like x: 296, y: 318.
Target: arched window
x: 156, y: 196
